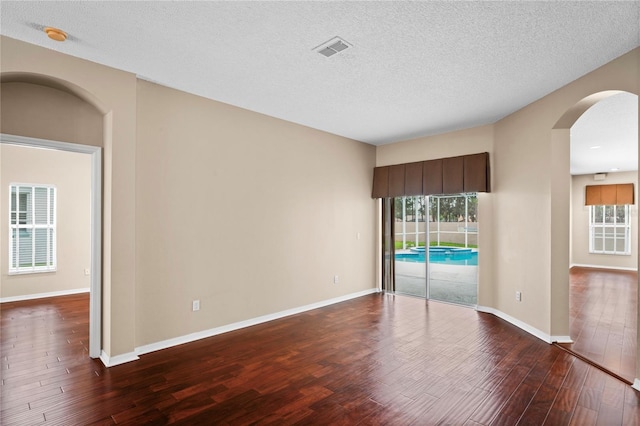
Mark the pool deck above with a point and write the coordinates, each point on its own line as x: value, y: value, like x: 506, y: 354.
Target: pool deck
x: 449, y: 283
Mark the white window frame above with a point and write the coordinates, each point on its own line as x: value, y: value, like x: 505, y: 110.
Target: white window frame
x: 613, y: 226
x: 50, y: 225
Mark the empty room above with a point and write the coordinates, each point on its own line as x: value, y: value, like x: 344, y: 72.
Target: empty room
x: 230, y: 212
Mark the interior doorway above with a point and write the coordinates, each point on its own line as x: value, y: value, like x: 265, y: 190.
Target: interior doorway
x: 95, y: 304
x: 603, y: 251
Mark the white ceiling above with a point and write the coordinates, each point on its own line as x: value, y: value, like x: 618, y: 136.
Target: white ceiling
x: 413, y: 68
x: 605, y: 137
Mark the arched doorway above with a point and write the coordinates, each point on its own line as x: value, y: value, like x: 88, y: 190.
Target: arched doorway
x: 561, y: 208
x: 24, y: 137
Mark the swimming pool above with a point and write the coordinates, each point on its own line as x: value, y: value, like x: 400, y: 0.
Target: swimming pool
x: 447, y: 255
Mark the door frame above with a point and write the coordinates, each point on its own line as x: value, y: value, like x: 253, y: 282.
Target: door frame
x: 95, y: 294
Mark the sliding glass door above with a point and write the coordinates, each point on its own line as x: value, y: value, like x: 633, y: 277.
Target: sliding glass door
x: 435, y: 244
x: 453, y: 249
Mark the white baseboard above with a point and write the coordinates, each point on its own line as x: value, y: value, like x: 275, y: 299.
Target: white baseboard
x: 561, y: 339
x: 526, y: 327
x: 152, y: 347
x: 617, y: 268
x: 118, y: 359
x: 43, y: 295
x: 636, y: 384
x: 522, y: 325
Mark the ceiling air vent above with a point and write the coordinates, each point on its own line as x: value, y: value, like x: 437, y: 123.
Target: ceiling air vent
x: 333, y: 46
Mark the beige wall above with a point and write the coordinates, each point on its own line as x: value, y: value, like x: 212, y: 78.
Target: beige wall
x: 249, y: 214
x: 71, y: 174
x: 580, y: 224
x: 43, y: 112
x: 462, y: 142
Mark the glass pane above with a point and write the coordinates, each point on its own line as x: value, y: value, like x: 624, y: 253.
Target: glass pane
x: 620, y: 246
x: 621, y: 216
x: 14, y: 249
x: 41, y: 247
x: 609, y: 214
x: 52, y: 198
x: 453, y: 252
x: 420, y: 208
x: 409, y: 266
x: 597, y: 238
x: 25, y: 246
x: 25, y: 205
x: 13, y: 206
x: 40, y: 205
x: 608, y: 244
x: 52, y: 247
x: 598, y: 214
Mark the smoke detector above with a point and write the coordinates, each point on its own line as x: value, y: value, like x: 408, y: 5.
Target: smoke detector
x: 333, y: 46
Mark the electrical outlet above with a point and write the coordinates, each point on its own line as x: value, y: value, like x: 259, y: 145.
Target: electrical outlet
x: 195, y: 305
x: 358, y: 235
x: 335, y: 279
x: 87, y: 271
x: 518, y: 296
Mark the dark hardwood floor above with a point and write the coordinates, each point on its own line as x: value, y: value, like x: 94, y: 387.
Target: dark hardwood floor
x: 603, y: 315
x: 378, y: 359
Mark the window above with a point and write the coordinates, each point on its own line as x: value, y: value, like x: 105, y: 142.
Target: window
x: 32, y: 226
x: 609, y: 229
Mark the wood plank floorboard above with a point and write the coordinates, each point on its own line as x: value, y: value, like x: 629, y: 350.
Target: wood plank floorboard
x: 603, y: 318
x: 376, y: 360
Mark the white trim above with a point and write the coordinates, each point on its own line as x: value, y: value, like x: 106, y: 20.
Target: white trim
x: 95, y: 301
x: 561, y: 339
x: 636, y: 384
x: 118, y: 359
x: 619, y: 268
x: 43, y: 295
x: 522, y: 325
x: 152, y: 347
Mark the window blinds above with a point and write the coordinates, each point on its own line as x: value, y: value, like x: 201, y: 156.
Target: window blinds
x: 32, y: 229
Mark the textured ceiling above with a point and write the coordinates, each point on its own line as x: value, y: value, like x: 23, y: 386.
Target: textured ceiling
x: 413, y: 68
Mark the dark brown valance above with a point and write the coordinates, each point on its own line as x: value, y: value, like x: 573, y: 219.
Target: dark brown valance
x: 616, y: 194
x: 453, y: 175
x: 396, y: 180
x: 380, y: 182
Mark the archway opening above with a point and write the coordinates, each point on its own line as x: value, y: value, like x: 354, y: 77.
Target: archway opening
x: 602, y: 131
x: 32, y: 124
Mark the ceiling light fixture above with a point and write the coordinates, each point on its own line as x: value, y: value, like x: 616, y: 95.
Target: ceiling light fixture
x: 595, y: 147
x: 614, y: 169
x: 55, y: 34
x: 331, y: 47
